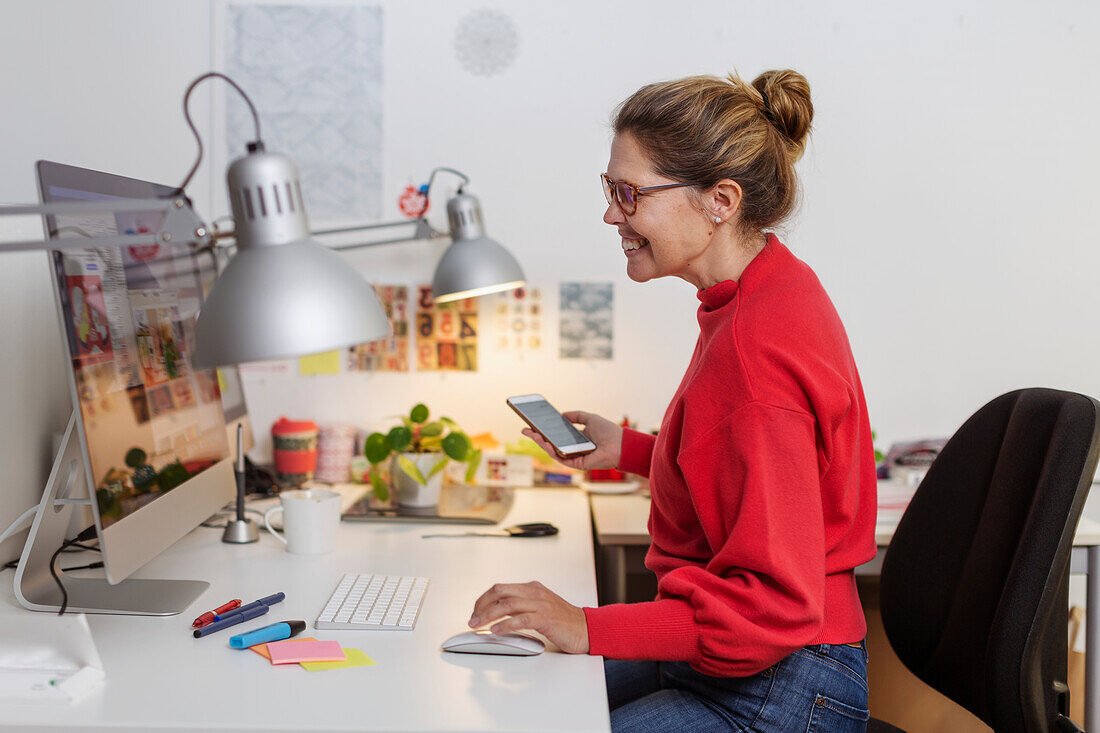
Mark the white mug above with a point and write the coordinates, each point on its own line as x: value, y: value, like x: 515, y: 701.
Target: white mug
x: 310, y: 520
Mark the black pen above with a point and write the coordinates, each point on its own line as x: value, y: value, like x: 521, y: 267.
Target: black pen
x: 269, y: 601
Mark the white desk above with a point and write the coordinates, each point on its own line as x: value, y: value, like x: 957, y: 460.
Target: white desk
x: 621, y: 522
x: 159, y: 676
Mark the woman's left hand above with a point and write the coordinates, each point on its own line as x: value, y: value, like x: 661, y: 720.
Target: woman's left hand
x: 532, y: 606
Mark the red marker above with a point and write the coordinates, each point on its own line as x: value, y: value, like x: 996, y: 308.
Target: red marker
x: 208, y: 617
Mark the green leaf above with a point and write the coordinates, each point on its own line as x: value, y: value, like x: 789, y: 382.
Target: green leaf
x: 443, y: 460
x: 408, y: 423
x: 399, y: 438
x: 419, y: 413
x: 475, y: 461
x: 376, y: 448
x: 449, y: 423
x: 410, y: 468
x: 429, y: 430
x: 381, y: 490
x: 457, y: 446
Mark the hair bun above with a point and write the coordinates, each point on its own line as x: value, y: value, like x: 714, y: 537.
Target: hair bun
x: 790, y: 109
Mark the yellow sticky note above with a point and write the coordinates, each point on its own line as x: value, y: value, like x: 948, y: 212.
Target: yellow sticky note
x: 355, y: 658
x: 221, y: 381
x: 326, y: 363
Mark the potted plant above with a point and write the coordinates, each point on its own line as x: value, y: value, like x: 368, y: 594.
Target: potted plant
x: 419, y: 449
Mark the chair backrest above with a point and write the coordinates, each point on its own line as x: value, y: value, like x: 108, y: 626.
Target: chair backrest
x: 974, y: 585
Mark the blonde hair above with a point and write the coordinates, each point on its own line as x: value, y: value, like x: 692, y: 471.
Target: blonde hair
x: 702, y: 129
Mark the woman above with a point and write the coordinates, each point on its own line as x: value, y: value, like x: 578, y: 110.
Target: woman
x: 762, y: 475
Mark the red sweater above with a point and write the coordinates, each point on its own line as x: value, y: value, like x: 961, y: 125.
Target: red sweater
x: 763, y: 485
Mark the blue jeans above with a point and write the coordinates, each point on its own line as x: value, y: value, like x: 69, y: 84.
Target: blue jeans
x: 817, y: 688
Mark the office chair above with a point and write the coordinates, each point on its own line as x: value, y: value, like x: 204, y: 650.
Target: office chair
x: 974, y: 586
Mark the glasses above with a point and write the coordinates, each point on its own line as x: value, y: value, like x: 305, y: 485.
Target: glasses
x: 626, y: 194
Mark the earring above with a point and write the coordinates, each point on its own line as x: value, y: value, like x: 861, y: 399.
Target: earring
x: 717, y: 220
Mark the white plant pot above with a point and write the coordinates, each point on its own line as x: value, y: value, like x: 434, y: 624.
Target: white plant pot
x: 407, y: 491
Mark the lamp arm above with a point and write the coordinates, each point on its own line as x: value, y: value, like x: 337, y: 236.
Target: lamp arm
x: 181, y: 224
x: 423, y: 231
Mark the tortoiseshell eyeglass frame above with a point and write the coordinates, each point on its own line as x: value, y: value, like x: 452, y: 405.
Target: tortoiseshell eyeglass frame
x: 611, y: 192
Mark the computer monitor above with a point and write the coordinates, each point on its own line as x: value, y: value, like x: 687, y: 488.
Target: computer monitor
x: 148, y: 438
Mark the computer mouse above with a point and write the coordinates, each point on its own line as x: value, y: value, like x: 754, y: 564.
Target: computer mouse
x: 486, y: 642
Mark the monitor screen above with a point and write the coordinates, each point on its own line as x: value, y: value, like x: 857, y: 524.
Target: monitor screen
x: 152, y: 426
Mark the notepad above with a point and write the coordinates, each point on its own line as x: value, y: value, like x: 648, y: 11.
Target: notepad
x: 292, y: 652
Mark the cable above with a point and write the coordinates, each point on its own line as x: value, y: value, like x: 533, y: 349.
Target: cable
x: 87, y: 534
x: 89, y: 566
x: 258, y: 142
x: 428, y: 187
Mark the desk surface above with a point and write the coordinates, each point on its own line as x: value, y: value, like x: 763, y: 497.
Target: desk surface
x: 623, y: 519
x: 159, y: 676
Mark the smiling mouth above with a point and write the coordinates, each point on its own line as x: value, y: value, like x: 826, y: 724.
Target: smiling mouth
x: 633, y: 244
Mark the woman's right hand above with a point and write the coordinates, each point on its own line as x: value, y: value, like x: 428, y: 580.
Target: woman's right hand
x: 607, y: 436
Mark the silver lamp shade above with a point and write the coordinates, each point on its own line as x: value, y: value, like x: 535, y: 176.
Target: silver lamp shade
x: 474, y: 264
x: 282, y: 294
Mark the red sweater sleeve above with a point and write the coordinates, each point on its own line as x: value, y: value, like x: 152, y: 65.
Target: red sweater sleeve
x: 637, y: 452
x: 754, y: 484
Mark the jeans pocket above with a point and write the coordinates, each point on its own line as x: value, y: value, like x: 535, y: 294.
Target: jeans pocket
x: 857, y: 673
x: 837, y: 717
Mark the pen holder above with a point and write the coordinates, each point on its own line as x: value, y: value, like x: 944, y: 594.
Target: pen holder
x: 295, y: 454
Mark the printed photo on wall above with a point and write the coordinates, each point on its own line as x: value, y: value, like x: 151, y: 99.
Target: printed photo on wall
x: 392, y: 354
x: 446, y: 333
x: 587, y: 330
x: 517, y: 319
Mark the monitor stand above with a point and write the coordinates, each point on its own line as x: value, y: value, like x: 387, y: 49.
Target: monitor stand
x: 35, y: 587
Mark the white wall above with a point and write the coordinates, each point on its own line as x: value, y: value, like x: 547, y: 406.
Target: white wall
x: 948, y: 189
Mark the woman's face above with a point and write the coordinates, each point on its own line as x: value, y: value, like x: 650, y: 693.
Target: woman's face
x: 668, y: 233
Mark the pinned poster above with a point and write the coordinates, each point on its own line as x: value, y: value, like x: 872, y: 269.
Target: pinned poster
x: 586, y: 318
x: 446, y: 333
x: 327, y: 362
x: 517, y: 319
x: 391, y: 354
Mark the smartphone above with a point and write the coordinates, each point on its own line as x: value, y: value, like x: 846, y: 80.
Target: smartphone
x: 568, y: 442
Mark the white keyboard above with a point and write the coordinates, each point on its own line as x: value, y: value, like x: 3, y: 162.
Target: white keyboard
x: 380, y: 602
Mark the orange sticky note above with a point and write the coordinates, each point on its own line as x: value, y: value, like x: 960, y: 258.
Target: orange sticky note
x: 261, y: 649
x: 305, y: 651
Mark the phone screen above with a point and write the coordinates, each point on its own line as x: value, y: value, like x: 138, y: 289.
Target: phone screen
x: 551, y: 423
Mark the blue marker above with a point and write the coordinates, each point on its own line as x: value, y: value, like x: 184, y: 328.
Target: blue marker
x: 274, y: 632
x: 269, y: 601
x: 233, y: 620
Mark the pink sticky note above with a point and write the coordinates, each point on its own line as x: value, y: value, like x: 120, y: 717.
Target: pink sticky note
x: 292, y: 652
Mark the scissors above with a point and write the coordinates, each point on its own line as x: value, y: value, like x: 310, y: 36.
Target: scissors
x: 531, y: 529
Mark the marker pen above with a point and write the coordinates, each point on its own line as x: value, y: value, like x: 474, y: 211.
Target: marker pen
x: 233, y: 620
x: 211, y: 616
x: 274, y: 632
x: 268, y: 601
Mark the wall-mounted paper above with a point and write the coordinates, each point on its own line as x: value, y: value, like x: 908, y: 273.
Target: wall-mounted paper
x: 446, y: 333
x: 392, y: 354
x: 517, y: 319
x: 587, y: 311
x: 324, y: 363
x: 314, y: 73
